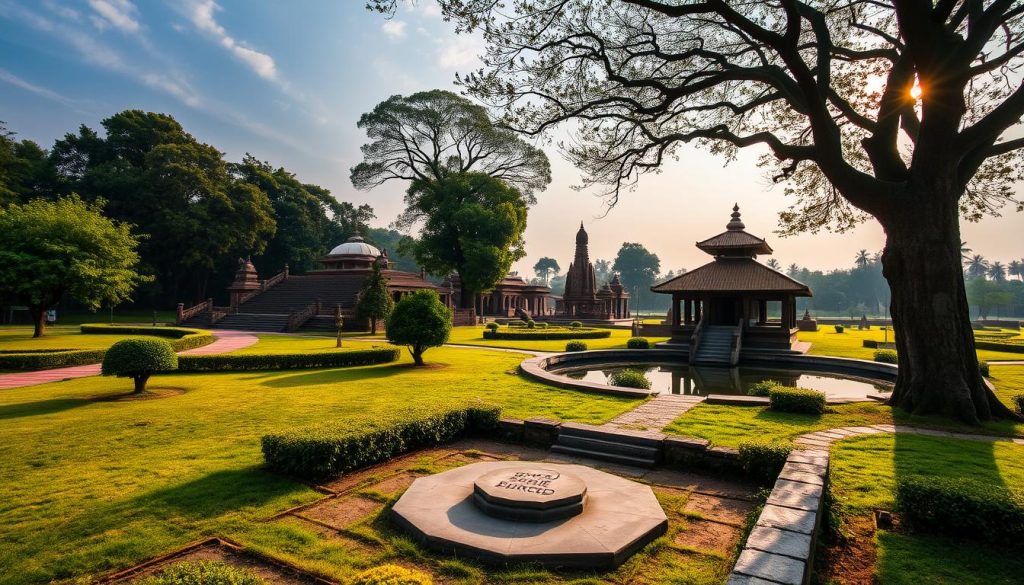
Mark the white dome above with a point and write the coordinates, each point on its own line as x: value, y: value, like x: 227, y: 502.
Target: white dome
x: 355, y: 247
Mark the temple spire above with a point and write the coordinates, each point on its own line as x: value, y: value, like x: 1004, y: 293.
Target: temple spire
x: 735, y: 224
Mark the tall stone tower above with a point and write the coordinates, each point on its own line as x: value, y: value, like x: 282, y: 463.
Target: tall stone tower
x: 582, y: 298
x: 581, y: 280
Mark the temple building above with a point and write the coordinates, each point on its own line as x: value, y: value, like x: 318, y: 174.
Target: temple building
x: 725, y: 305
x: 582, y: 298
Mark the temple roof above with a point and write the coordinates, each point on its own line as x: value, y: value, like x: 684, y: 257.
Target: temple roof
x: 733, y: 275
x: 735, y: 241
x: 354, y: 246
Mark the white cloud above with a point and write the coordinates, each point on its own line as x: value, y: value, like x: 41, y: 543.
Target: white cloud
x: 174, y: 88
x: 62, y: 11
x: 8, y: 77
x: 394, y: 28
x: 201, y: 13
x: 121, y: 14
x: 459, y: 51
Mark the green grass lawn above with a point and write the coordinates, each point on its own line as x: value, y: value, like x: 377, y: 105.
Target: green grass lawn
x: 59, y: 337
x: 270, y: 343
x: 863, y: 478
x: 91, y: 485
x: 474, y: 335
x: 825, y: 341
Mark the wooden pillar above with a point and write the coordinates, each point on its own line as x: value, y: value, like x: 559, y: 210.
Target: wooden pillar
x: 762, y: 312
x: 697, y: 310
x: 677, y: 317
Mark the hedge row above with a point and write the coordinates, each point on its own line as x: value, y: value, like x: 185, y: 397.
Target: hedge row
x: 961, y: 507
x: 800, y: 400
x: 287, y: 361
x: 996, y: 346
x: 875, y: 344
x: 45, y: 360
x: 763, y: 459
x: 329, y: 450
x: 183, y: 337
x: 542, y: 335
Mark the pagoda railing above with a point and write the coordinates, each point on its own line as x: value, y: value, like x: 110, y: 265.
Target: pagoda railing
x: 736, y: 344
x: 265, y: 285
x: 198, y: 309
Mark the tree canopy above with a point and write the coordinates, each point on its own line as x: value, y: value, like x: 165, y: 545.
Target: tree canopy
x: 420, y: 321
x: 374, y: 300
x: 53, y: 249
x: 546, y: 268
x: 638, y: 267
x: 428, y: 135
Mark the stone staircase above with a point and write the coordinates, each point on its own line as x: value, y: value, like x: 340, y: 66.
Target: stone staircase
x: 623, y: 447
x: 714, y: 348
x: 254, y: 322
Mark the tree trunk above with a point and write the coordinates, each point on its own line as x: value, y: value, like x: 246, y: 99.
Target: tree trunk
x: 417, y: 355
x: 373, y: 326
x: 938, y: 366
x: 140, y: 382
x: 38, y: 319
x: 467, y: 299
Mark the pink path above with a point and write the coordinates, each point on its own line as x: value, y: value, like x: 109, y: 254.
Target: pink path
x: 226, y: 341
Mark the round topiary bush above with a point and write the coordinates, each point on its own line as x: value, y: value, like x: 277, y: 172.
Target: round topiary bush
x: 576, y: 324
x: 630, y: 379
x: 531, y: 324
x: 492, y: 326
x: 840, y: 328
x: 983, y: 369
x: 762, y: 388
x: 139, y: 359
x: 391, y: 575
x: 575, y: 346
x: 638, y: 343
x: 420, y: 321
x: 886, y: 356
x: 203, y: 573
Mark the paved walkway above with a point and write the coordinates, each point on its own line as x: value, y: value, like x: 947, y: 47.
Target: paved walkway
x: 655, y: 414
x: 226, y: 341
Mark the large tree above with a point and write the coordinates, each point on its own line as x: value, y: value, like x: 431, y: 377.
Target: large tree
x: 638, y: 267
x: 546, y: 267
x: 429, y: 135
x: 53, y: 249
x: 471, y: 223
x: 25, y: 169
x: 900, y: 110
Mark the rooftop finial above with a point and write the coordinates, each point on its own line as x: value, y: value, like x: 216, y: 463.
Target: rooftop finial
x: 735, y: 224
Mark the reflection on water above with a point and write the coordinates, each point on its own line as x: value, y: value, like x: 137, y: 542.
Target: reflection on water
x: 701, y: 381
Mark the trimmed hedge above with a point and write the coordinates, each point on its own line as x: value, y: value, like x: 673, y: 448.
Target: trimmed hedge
x: 391, y: 575
x: 549, y: 335
x: 203, y: 573
x: 630, y: 379
x: 331, y: 450
x: 983, y: 369
x: 287, y: 361
x: 840, y: 328
x: 492, y: 326
x: 1018, y: 400
x: 576, y: 324
x: 996, y: 346
x: 799, y: 400
x: 886, y: 356
x: 46, y: 359
x: 961, y: 507
x: 874, y: 344
x: 638, y: 343
x: 576, y: 346
x: 184, y: 337
x: 762, y: 388
x: 763, y: 459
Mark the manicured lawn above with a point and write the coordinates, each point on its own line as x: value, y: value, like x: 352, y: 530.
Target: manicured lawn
x: 91, y: 485
x: 59, y: 337
x: 864, y: 473
x: 270, y: 343
x: 826, y: 341
x: 473, y: 335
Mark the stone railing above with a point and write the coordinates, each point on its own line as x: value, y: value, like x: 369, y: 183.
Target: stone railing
x: 735, y: 345
x: 186, y: 314
x: 275, y: 280
x: 695, y: 341
x: 299, y: 318
x: 218, y: 313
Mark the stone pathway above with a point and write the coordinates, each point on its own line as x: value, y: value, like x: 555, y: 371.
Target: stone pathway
x: 655, y: 414
x: 226, y: 341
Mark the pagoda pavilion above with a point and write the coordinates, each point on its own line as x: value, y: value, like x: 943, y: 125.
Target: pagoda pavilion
x: 724, y: 306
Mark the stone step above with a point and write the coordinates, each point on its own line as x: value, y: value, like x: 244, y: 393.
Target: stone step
x: 642, y: 438
x: 602, y: 456
x: 613, y: 447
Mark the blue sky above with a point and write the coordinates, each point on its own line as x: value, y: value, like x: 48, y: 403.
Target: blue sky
x: 287, y: 82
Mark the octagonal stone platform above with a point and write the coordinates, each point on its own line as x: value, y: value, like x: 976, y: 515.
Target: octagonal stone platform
x: 618, y: 516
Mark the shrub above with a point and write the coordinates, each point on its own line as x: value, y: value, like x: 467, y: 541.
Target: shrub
x: 800, y: 400
x: 983, y: 368
x: 638, y: 343
x: 139, y: 359
x: 549, y: 335
x: 492, y: 326
x: 1018, y: 401
x: 886, y: 356
x: 840, y: 328
x: 961, y: 507
x: 203, y: 573
x: 630, y: 379
x: 542, y: 325
x: 531, y: 324
x: 763, y: 459
x: 287, y: 361
x: 46, y: 359
x: 576, y: 346
x: 762, y: 388
x: 184, y: 337
x: 419, y: 321
x: 576, y: 324
x: 329, y: 450
x: 391, y: 575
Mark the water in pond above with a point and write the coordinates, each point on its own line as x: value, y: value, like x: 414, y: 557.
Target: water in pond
x: 702, y: 381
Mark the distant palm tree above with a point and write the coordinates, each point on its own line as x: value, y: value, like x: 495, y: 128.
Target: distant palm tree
x: 1016, y: 268
x: 997, y: 272
x: 793, y: 270
x: 965, y: 252
x: 862, y: 259
x: 774, y: 264
x: 977, y: 266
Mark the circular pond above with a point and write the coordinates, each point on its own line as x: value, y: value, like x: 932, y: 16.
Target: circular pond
x: 701, y: 381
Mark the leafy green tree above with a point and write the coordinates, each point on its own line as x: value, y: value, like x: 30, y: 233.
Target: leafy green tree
x: 546, y: 267
x: 419, y: 321
x: 471, y: 223
x: 53, y: 249
x: 175, y: 189
x: 602, y: 271
x: 638, y: 267
x: 429, y: 135
x: 393, y: 242
x: 907, y: 112
x: 375, y: 302
x: 25, y: 170
x: 139, y: 359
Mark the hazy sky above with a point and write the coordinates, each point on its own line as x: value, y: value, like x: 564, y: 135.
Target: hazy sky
x: 287, y: 82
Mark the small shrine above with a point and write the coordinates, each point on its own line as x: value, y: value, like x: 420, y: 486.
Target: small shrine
x: 734, y: 301
x: 582, y: 298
